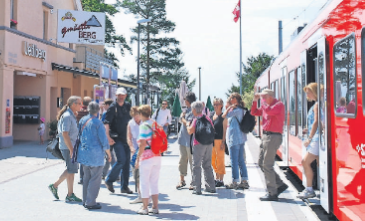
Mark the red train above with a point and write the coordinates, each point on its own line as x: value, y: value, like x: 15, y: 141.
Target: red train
x: 331, y: 52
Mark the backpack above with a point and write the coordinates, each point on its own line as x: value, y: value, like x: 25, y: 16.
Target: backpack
x: 248, y: 122
x: 204, y: 131
x: 158, y: 140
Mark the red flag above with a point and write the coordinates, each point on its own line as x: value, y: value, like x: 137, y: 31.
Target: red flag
x: 236, y: 11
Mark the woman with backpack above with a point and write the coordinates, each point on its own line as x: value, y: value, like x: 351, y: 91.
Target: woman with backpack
x: 236, y: 139
x: 147, y: 162
x: 203, y: 130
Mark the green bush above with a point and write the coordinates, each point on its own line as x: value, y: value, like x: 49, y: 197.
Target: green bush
x: 247, y: 98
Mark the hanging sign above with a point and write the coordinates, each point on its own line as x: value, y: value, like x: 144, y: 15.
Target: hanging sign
x: 80, y: 27
x: 99, y: 93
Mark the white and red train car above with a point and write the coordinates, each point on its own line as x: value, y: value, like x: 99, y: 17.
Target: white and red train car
x: 331, y: 52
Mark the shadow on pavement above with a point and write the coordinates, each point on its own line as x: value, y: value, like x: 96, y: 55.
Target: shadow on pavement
x: 286, y: 200
x: 176, y: 216
x: 26, y: 149
x: 224, y: 193
x: 108, y: 208
x: 172, y: 207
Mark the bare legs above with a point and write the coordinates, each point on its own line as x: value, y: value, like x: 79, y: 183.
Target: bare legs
x: 154, y: 201
x: 219, y: 176
x: 70, y: 181
x: 306, y: 162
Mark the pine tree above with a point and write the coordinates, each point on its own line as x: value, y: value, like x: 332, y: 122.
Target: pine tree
x: 171, y: 81
x: 159, y: 54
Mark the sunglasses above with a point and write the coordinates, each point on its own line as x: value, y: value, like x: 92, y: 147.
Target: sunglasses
x: 216, y: 104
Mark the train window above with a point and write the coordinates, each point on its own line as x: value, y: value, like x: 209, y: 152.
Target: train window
x: 292, y: 101
x: 283, y: 93
x: 344, y: 53
x: 275, y: 88
x: 363, y: 66
x: 299, y: 101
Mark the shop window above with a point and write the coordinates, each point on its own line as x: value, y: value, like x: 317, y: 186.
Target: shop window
x: 344, y: 54
x: 45, y: 25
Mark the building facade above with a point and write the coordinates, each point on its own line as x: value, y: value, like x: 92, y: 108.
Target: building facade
x: 37, y: 74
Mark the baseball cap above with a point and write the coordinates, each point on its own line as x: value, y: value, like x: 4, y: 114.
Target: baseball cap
x: 267, y: 92
x: 121, y: 91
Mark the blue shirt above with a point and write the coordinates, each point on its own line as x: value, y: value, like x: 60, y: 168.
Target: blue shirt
x: 67, y: 123
x: 234, y: 135
x: 184, y: 137
x: 94, y: 142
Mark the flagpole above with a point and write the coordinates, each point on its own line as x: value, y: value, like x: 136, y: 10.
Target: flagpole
x: 240, y: 49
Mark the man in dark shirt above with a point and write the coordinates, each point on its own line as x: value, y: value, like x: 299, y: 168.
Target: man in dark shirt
x: 116, y: 122
x: 80, y: 114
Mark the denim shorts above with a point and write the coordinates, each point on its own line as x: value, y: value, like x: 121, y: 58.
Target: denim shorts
x: 71, y: 167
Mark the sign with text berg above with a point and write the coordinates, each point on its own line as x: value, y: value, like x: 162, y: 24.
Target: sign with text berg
x: 80, y: 27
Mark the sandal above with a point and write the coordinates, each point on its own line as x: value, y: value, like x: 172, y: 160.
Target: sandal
x: 181, y: 185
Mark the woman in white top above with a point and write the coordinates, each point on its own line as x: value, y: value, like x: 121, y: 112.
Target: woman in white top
x: 132, y: 136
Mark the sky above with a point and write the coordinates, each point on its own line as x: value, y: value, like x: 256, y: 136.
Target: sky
x: 209, y: 38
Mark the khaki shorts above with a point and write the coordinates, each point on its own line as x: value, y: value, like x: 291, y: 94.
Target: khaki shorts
x: 71, y: 167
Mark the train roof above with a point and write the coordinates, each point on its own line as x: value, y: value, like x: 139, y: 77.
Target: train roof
x: 302, y: 33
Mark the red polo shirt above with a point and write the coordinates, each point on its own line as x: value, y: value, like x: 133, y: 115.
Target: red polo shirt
x: 272, y: 115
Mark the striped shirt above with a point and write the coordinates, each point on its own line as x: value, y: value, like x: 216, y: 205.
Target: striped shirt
x: 145, y: 133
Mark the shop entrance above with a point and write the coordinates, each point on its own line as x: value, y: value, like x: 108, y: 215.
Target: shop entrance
x: 53, y: 107
x: 65, y: 95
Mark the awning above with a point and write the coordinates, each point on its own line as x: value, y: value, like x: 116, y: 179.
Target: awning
x: 76, y: 71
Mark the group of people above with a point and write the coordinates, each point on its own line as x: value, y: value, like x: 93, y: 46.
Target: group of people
x: 126, y: 132
x: 121, y: 130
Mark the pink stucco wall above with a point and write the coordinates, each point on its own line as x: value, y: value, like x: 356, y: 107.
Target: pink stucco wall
x: 48, y: 83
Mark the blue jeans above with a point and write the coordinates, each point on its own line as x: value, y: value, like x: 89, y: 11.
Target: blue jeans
x: 237, y: 161
x: 121, y: 167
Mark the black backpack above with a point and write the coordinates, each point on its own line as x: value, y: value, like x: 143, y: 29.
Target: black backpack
x: 248, y: 122
x: 204, y: 131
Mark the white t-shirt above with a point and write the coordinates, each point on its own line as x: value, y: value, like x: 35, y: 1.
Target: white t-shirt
x: 164, y: 116
x: 134, y: 128
x: 42, y: 127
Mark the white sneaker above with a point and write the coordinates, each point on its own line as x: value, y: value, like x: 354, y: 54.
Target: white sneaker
x: 136, y: 200
x: 143, y: 211
x: 306, y: 194
x: 154, y: 211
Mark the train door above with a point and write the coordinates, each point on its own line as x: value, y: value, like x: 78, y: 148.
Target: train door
x: 283, y: 97
x: 323, y: 181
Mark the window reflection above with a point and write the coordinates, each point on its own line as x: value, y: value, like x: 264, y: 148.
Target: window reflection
x: 299, y: 101
x: 345, y: 75
x: 292, y: 96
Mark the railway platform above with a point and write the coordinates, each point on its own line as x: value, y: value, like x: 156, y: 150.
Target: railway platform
x: 25, y: 175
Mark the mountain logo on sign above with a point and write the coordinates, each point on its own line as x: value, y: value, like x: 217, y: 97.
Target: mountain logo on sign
x: 93, y: 21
